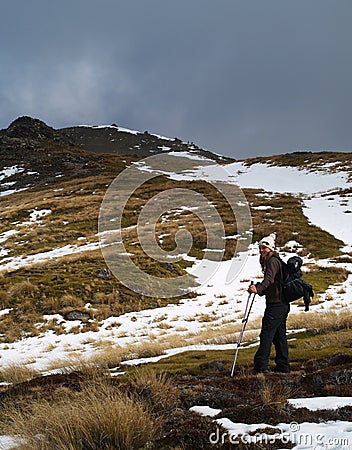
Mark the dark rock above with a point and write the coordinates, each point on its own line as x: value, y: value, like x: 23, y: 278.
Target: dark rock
x: 104, y: 274
x: 77, y: 314
x: 215, y: 366
x: 153, y: 305
x: 79, y: 290
x: 58, y: 278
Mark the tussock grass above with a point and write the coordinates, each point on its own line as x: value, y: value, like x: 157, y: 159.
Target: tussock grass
x: 19, y: 323
x: 23, y: 289
x: 326, y: 334
x: 147, y: 349
x: 340, y: 339
x: 156, y: 389
x: 222, y: 334
x: 248, y: 337
x: 273, y: 393
x: 71, y: 281
x: 206, y: 317
x: 112, y: 355
x: 89, y: 369
x: 70, y: 300
x: 322, y: 322
x: 98, y: 417
x: 17, y: 373
x: 4, y: 299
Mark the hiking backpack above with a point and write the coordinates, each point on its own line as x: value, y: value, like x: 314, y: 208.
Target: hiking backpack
x: 292, y: 286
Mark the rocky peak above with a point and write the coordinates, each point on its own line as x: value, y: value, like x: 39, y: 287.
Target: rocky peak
x: 28, y: 128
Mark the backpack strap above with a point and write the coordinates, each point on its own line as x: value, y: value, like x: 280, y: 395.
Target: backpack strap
x: 282, y: 276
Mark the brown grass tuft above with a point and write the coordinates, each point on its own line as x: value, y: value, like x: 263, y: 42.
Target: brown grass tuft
x: 23, y: 289
x: 274, y: 393
x: 17, y: 373
x: 98, y: 417
x: 321, y: 322
x: 70, y: 300
x: 4, y: 299
x: 156, y: 390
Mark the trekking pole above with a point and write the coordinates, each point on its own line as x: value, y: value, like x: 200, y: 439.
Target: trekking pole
x: 247, y: 311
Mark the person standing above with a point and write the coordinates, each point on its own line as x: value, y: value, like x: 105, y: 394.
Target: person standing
x: 273, y: 329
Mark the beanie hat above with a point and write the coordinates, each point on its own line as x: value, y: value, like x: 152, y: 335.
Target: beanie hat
x: 269, y: 241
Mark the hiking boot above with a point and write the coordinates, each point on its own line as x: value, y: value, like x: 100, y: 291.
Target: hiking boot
x: 257, y: 371
x: 282, y: 371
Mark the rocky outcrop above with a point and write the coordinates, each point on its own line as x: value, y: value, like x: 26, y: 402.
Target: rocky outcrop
x: 28, y: 128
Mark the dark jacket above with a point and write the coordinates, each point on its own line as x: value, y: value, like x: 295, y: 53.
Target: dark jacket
x: 273, y: 275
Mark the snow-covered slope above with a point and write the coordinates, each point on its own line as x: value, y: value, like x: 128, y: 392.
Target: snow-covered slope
x: 221, y: 301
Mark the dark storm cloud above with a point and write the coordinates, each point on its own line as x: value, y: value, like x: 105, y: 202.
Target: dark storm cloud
x: 240, y: 78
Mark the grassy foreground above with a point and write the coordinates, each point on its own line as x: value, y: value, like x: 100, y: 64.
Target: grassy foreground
x: 84, y: 408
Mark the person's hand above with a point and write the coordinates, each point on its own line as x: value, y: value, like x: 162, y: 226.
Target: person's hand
x: 252, y: 289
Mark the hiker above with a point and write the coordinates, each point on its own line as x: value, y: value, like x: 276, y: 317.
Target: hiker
x: 274, y: 320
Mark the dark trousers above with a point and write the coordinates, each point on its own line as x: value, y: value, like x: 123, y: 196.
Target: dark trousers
x: 273, y: 332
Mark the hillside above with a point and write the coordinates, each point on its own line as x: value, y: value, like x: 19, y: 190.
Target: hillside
x: 62, y: 305
x: 36, y: 154
x: 122, y: 141
x: 51, y: 195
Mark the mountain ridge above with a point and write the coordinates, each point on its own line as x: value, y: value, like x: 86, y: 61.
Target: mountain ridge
x: 37, y: 155
x: 99, y: 139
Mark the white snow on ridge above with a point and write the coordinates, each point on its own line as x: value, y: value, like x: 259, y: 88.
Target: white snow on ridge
x: 125, y: 130
x: 332, y: 214
x: 18, y: 262
x: 9, y: 171
x: 97, y: 127
x: 270, y: 178
x: 288, y: 179
x: 190, y: 155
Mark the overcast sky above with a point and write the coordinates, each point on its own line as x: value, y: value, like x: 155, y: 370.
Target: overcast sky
x: 238, y: 77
